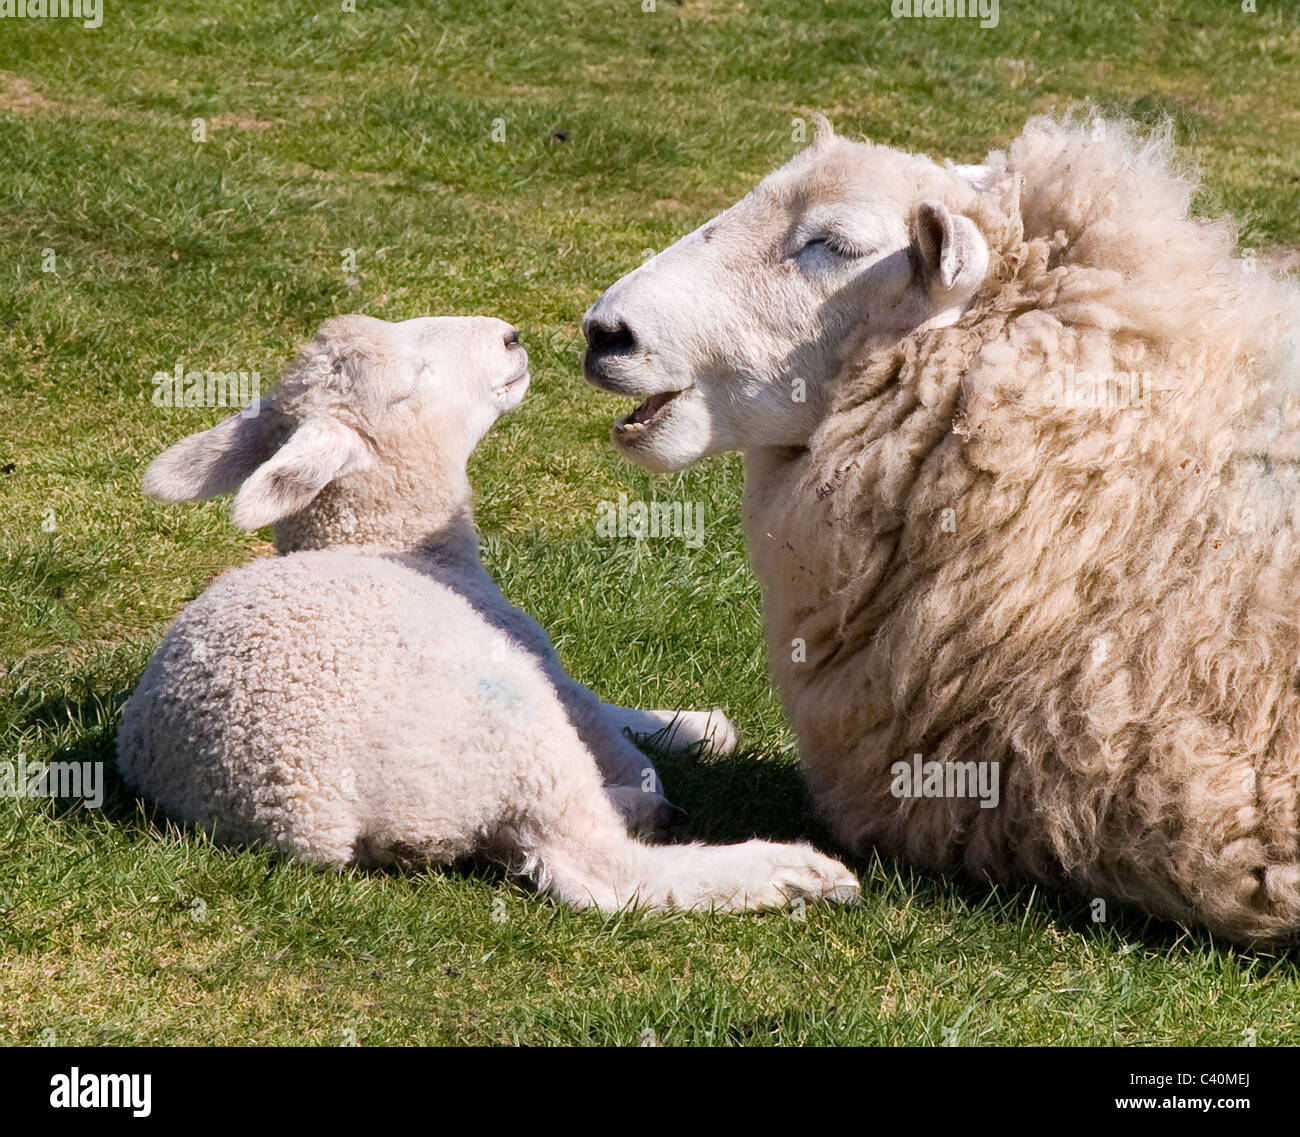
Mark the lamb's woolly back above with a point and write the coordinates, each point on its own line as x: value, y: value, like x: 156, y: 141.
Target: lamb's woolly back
x: 1101, y: 600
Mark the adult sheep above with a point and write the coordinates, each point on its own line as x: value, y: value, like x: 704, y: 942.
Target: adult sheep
x: 1022, y: 489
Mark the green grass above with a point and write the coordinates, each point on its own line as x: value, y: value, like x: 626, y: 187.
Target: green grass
x: 623, y: 129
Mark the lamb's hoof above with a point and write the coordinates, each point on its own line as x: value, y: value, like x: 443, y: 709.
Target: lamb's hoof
x: 707, y: 730
x: 651, y: 817
x: 675, y: 822
x: 721, y: 732
x: 663, y: 824
x: 822, y: 878
x: 848, y: 895
x: 797, y: 873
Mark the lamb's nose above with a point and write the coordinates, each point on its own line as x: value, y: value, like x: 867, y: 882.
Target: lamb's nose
x: 608, y: 337
x: 512, y: 338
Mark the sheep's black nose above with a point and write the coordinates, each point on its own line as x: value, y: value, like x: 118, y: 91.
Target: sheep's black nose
x: 512, y: 337
x: 609, y: 338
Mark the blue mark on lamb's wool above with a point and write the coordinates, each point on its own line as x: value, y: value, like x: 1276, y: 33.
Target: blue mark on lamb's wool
x: 499, y: 691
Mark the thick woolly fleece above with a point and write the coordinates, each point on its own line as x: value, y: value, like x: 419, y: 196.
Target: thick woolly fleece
x: 984, y: 565
x: 371, y: 698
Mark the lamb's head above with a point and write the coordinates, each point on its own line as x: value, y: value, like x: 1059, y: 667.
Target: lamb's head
x: 733, y: 334
x: 365, y: 438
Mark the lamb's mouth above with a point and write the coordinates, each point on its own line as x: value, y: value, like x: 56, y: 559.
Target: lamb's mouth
x: 519, y: 375
x: 648, y: 412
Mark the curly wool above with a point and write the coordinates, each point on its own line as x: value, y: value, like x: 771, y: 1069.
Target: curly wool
x: 1101, y: 600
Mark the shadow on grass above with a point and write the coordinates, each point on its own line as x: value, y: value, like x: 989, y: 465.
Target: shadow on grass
x: 745, y: 795
x: 726, y: 800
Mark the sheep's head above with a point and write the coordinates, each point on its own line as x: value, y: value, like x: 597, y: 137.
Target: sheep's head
x: 371, y: 416
x: 732, y: 334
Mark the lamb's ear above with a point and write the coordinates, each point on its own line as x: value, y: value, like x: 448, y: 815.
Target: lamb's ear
x: 825, y: 132
x: 317, y: 452
x: 953, y: 255
x: 213, y: 461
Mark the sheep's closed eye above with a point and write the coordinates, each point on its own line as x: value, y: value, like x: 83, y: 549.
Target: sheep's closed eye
x: 836, y: 245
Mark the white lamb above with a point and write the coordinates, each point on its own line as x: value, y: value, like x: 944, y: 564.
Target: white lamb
x: 370, y: 697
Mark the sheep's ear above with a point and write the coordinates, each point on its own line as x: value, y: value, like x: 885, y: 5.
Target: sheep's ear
x: 952, y: 253
x: 213, y: 461
x: 317, y: 452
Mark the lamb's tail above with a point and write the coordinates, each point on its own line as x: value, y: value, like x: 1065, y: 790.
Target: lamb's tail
x: 590, y: 861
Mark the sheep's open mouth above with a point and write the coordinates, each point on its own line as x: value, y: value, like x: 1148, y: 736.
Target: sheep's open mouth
x: 650, y: 410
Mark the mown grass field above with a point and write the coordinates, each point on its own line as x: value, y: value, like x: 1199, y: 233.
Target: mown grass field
x: 510, y: 159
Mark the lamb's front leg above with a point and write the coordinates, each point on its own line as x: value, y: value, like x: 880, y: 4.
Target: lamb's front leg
x: 631, y: 780
x: 621, y: 761
x: 604, y: 726
x: 600, y: 725
x: 641, y: 801
x: 610, y: 729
